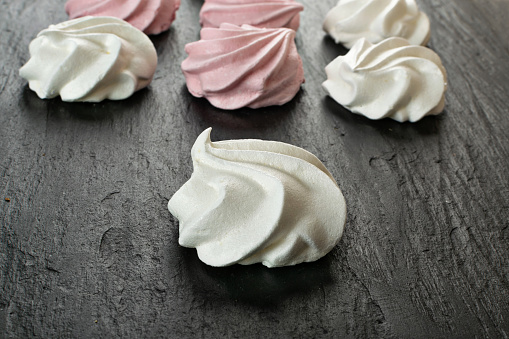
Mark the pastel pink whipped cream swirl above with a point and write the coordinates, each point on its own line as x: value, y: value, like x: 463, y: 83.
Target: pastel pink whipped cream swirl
x: 149, y: 16
x: 259, y: 13
x: 234, y: 67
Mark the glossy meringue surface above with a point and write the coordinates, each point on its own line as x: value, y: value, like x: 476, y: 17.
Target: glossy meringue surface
x: 90, y: 59
x: 258, y: 13
x: 254, y: 201
x: 376, y: 20
x: 392, y: 79
x: 150, y: 16
x: 234, y: 67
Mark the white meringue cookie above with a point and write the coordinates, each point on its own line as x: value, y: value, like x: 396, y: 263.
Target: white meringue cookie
x: 251, y: 201
x: 392, y: 79
x: 90, y: 59
x: 377, y: 20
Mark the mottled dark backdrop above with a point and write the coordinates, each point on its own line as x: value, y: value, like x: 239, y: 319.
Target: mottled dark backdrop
x: 88, y: 248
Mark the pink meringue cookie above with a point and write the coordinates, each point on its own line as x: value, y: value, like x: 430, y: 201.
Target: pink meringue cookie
x: 149, y: 16
x: 245, y: 66
x: 258, y: 13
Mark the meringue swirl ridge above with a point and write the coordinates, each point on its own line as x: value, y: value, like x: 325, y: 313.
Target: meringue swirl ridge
x: 243, y: 66
x: 90, y: 59
x: 255, y: 201
x: 258, y: 13
x: 376, y: 20
x: 392, y: 79
x: 149, y: 16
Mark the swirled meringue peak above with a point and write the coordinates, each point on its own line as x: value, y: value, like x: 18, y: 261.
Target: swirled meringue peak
x: 259, y: 13
x: 234, y: 67
x: 90, y: 59
x: 377, y: 20
x: 149, y: 16
x: 392, y: 79
x: 255, y: 201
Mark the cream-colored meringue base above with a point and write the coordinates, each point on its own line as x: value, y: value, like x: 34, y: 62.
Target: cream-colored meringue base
x: 254, y: 201
x: 392, y: 79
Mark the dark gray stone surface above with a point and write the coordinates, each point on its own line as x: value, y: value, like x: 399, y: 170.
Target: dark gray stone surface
x: 88, y: 248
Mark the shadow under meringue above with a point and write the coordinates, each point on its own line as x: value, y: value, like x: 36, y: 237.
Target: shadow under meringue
x: 201, y: 112
x: 331, y: 50
x: 161, y: 40
x: 89, y: 111
x: 255, y: 284
x: 427, y: 126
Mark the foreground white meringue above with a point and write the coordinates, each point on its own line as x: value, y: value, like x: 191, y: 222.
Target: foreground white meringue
x: 377, y: 20
x: 392, y: 79
x: 251, y: 201
x: 90, y: 59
